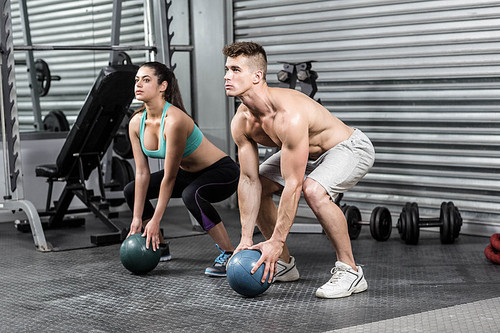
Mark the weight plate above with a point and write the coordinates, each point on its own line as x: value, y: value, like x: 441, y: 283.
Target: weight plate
x: 452, y: 217
x: 412, y: 230
x: 43, y: 77
x: 374, y: 220
x: 381, y: 224
x: 353, y: 216
x: 121, y: 145
x: 119, y: 173
x: 403, y: 221
x: 124, y: 58
x: 121, y: 142
x: 457, y: 221
x: 446, y: 228
x: 55, y: 121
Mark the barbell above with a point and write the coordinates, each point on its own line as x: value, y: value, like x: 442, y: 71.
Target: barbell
x: 380, y: 222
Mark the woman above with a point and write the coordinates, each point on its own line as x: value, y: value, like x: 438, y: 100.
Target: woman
x: 194, y: 168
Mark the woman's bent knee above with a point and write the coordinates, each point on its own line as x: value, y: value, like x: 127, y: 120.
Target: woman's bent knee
x: 129, y: 191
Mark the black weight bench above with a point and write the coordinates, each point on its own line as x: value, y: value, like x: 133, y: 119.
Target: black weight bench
x: 88, y: 140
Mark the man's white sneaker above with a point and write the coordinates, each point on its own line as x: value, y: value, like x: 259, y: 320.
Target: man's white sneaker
x: 344, y: 282
x: 287, y: 272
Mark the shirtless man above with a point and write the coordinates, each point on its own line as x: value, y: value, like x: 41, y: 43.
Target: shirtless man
x: 319, y: 156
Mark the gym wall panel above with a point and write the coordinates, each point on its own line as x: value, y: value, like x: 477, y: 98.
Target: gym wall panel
x: 55, y: 22
x: 210, y: 103
x: 420, y: 78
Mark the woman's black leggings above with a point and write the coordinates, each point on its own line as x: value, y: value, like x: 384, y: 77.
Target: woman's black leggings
x: 197, y: 190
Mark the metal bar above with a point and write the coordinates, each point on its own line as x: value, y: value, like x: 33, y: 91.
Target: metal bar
x: 115, y: 30
x: 49, y: 194
x: 82, y: 176
x: 9, y: 101
x: 5, y: 150
x: 40, y: 47
x: 181, y: 48
x: 30, y: 62
x: 429, y: 224
x: 160, y: 28
x: 61, y: 207
x: 148, y: 26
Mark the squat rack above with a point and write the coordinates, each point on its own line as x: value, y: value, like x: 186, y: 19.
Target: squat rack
x: 159, y: 47
x: 14, y: 194
x: 13, y: 199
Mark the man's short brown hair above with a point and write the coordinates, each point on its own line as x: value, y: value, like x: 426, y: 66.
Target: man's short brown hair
x: 255, y: 52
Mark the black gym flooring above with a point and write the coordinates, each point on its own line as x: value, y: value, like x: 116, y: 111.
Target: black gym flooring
x: 429, y: 287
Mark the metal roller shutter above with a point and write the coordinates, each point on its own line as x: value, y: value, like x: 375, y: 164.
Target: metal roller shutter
x: 55, y: 22
x: 420, y: 78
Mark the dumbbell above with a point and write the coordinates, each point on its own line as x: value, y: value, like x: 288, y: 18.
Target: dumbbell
x: 380, y: 222
x: 449, y: 223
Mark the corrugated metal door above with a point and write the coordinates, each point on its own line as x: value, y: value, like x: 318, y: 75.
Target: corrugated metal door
x: 55, y: 22
x: 420, y: 78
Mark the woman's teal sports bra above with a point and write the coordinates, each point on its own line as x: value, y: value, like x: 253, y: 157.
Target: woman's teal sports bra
x: 193, y: 140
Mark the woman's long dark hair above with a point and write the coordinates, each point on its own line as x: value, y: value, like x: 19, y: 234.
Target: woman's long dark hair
x: 173, y: 93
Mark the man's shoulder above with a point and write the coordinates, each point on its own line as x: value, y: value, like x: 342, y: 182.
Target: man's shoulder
x: 240, y: 113
x: 241, y: 108
x: 287, y: 100
x: 287, y: 92
x: 240, y: 119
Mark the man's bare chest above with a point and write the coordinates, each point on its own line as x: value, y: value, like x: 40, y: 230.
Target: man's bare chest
x: 264, y: 134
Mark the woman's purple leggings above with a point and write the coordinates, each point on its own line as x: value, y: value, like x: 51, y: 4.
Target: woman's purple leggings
x: 197, y: 190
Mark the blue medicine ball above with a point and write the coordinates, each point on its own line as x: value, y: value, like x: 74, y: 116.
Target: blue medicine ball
x: 239, y: 277
x: 135, y: 257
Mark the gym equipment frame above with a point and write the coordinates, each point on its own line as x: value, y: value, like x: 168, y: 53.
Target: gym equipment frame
x: 87, y: 142
x: 14, y: 193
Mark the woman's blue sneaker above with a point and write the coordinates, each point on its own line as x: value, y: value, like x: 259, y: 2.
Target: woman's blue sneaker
x: 218, y: 269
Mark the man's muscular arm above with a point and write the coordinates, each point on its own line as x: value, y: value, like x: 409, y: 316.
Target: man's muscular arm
x: 294, y: 155
x: 249, y: 187
x: 292, y: 130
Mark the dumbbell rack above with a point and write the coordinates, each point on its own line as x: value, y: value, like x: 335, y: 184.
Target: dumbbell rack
x: 302, y: 72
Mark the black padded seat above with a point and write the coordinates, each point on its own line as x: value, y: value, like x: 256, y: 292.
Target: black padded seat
x: 46, y: 170
x: 88, y: 140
